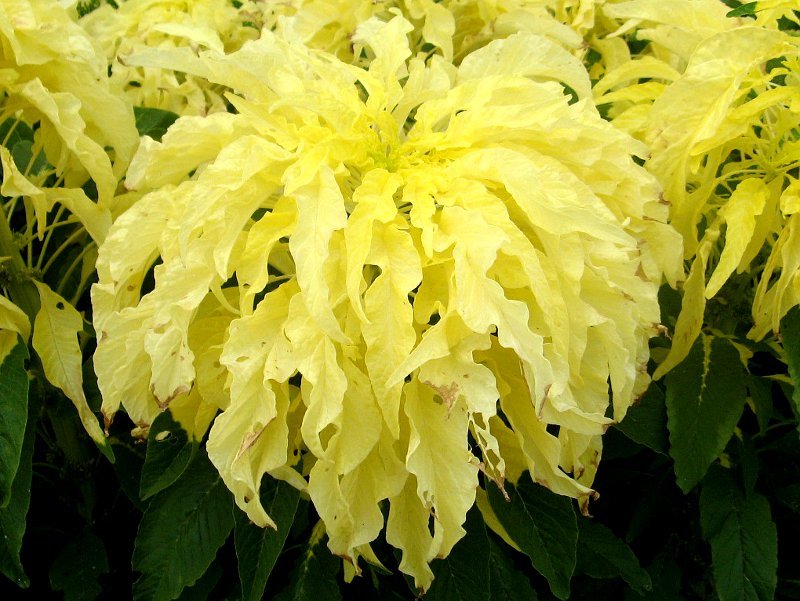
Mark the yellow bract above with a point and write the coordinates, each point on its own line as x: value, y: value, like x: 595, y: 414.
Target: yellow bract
x: 214, y: 25
x: 720, y: 114
x: 52, y: 75
x: 368, y: 266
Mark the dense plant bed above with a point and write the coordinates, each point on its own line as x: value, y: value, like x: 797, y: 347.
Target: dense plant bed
x: 321, y: 299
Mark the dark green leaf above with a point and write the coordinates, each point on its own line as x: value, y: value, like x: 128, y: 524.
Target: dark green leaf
x: 180, y: 533
x: 789, y: 496
x: 543, y: 525
x: 14, y: 412
x: 646, y: 422
x: 506, y: 582
x: 705, y: 398
x: 202, y: 589
x: 760, y: 390
x: 153, y: 122
x: 13, y: 516
x: 602, y: 555
x: 128, y: 469
x: 464, y: 574
x: 790, y: 334
x: 749, y: 8
x: 748, y: 462
x: 313, y: 578
x: 666, y: 577
x: 258, y: 548
x: 77, y: 568
x: 169, y: 453
x: 743, y: 537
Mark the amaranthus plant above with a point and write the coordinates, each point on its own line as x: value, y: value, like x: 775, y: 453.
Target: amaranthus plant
x: 392, y: 276
x: 381, y: 263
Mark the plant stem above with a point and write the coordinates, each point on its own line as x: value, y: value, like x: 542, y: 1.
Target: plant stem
x: 18, y: 283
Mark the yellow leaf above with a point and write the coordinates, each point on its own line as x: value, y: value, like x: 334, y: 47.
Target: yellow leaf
x: 55, y: 340
x: 739, y: 212
x: 13, y: 323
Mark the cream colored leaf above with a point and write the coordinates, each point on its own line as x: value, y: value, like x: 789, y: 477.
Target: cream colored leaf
x: 739, y: 212
x: 55, y: 340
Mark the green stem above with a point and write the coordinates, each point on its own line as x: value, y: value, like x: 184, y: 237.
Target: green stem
x: 20, y: 287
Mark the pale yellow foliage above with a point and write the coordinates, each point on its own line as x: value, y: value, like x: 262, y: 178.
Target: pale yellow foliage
x: 53, y: 75
x: 389, y: 258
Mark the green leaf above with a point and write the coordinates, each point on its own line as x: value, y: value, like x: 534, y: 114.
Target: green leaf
x: 14, y: 411
x: 705, y: 398
x: 78, y: 566
x: 202, y: 589
x: 258, y: 548
x: 543, y: 525
x: 313, y: 578
x: 13, y: 516
x: 128, y: 469
x: 743, y: 538
x: 790, y: 334
x: 666, y: 577
x: 464, y: 574
x: 646, y: 422
x: 748, y: 8
x: 602, y: 555
x: 789, y: 496
x: 153, y: 122
x: 506, y: 582
x: 180, y: 533
x: 169, y: 453
x: 760, y: 390
x: 21, y: 132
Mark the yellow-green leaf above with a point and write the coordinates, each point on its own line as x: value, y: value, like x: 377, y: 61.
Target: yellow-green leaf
x: 55, y: 340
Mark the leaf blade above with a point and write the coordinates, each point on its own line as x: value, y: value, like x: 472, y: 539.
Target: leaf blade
x: 544, y: 527
x: 705, y: 397
x: 14, y: 409
x: 464, y: 574
x: 169, y: 453
x: 55, y: 340
x: 13, y: 516
x: 180, y: 533
x: 743, y: 538
x: 257, y: 549
x: 602, y: 555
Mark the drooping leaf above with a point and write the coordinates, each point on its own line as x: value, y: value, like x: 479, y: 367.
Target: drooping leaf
x: 153, y: 122
x: 169, y: 453
x: 743, y: 538
x: 544, y: 526
x: 646, y: 422
x: 13, y: 515
x: 180, y: 533
x: 257, y: 549
x: 465, y: 573
x: 55, y: 340
x: 705, y: 397
x: 14, y: 411
x: 602, y: 555
x: 506, y: 582
x: 313, y: 578
x: 78, y: 566
x: 790, y: 334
